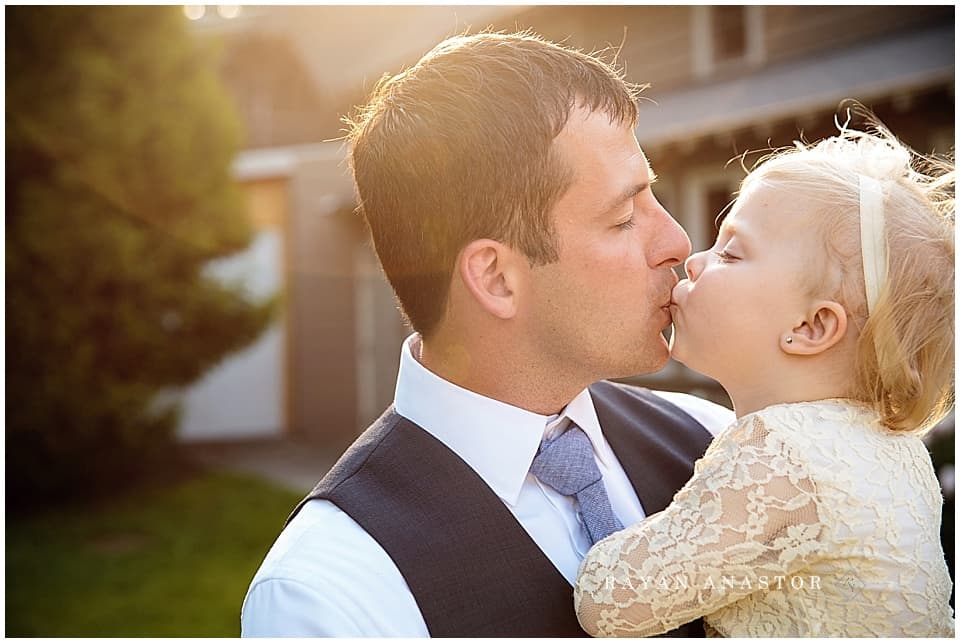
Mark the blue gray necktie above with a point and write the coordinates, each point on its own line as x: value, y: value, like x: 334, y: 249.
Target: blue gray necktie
x: 566, y: 463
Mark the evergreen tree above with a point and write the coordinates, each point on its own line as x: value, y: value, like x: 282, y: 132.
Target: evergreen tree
x: 118, y: 146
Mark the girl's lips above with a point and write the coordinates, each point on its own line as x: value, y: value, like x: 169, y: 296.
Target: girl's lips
x: 673, y: 293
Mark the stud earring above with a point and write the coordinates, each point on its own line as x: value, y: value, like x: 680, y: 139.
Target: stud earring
x: 789, y: 340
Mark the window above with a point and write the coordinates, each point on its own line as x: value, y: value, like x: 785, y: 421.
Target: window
x: 729, y: 32
x: 725, y: 36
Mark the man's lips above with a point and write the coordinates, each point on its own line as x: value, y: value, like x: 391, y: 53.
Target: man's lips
x: 670, y: 301
x: 668, y: 308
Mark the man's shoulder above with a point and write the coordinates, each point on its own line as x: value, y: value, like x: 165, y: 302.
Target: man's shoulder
x: 714, y: 417
x: 320, y: 535
x: 326, y: 576
x: 353, y: 459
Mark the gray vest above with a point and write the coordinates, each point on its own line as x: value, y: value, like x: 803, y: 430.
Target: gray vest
x: 473, y: 570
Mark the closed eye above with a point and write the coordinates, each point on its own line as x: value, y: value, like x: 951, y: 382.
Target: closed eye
x: 725, y: 256
x: 626, y: 225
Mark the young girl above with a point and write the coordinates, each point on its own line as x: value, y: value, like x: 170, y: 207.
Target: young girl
x: 825, y: 309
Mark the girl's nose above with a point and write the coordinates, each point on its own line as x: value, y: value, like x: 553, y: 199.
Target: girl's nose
x: 694, y: 264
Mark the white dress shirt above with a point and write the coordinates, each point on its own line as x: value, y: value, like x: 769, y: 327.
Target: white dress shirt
x: 325, y: 576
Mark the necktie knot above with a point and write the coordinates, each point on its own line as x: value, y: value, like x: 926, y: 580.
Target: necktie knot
x: 567, y: 464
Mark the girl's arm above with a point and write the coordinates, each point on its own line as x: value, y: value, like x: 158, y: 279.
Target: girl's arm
x: 750, y: 510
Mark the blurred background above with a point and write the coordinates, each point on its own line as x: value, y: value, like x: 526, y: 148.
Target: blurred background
x: 196, y: 324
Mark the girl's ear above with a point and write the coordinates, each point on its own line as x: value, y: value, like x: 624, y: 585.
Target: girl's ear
x: 486, y: 268
x: 824, y: 326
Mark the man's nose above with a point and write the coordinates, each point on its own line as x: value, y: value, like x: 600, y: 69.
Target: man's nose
x: 674, y: 244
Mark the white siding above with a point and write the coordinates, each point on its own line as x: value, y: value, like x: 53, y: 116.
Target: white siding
x: 243, y: 396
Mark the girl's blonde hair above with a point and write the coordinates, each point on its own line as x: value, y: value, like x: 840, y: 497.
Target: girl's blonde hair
x: 905, y: 350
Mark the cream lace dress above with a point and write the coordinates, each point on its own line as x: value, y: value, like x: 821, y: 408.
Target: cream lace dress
x: 805, y: 519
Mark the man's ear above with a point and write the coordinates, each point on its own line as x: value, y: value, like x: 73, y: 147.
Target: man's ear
x: 824, y: 326
x: 487, y: 269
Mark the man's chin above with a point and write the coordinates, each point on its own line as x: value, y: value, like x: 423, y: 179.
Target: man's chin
x: 655, y: 368
x: 662, y: 357
x: 652, y: 360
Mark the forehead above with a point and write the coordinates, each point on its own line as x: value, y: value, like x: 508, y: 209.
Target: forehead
x: 601, y: 153
x: 767, y: 209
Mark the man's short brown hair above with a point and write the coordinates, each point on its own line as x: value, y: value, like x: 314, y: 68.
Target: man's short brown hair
x: 459, y: 147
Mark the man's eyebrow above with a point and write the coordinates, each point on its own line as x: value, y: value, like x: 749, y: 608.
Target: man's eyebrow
x: 629, y: 193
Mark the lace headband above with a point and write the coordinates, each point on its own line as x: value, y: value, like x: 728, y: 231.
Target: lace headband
x: 873, y: 244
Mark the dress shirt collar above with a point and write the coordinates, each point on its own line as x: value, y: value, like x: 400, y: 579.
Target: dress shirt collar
x: 497, y: 440
x: 581, y: 412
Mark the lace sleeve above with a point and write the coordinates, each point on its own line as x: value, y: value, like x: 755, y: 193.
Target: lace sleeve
x: 750, y: 511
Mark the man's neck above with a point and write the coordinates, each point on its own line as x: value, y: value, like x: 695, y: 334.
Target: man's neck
x: 498, y: 374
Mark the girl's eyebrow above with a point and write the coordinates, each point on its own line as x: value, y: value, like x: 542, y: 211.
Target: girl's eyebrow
x: 726, y: 229
x: 731, y: 230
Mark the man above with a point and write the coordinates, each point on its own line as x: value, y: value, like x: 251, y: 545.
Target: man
x: 511, y: 209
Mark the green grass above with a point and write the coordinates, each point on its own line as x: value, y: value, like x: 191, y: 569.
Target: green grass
x: 174, y: 561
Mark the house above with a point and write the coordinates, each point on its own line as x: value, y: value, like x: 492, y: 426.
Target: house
x: 724, y: 80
